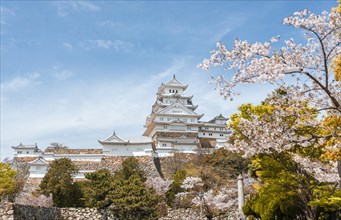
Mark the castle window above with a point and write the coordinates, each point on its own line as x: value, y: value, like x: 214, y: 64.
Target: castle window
x: 164, y: 145
x: 164, y: 127
x: 221, y: 135
x: 203, y: 133
x: 27, y: 152
x: 188, y: 128
x: 210, y: 134
x: 170, y: 91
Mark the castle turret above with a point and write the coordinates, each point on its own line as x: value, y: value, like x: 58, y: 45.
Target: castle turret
x: 173, y: 124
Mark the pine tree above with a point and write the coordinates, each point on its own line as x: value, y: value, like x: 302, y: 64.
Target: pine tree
x: 130, y: 197
x: 58, y: 182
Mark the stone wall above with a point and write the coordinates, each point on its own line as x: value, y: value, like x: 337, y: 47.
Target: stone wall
x: 182, y: 214
x: 25, y: 212
x: 84, y: 214
x: 6, y: 211
x: 194, y: 214
x: 10, y: 211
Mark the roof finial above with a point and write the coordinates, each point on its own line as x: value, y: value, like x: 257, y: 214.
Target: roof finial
x: 173, y: 76
x: 114, y: 132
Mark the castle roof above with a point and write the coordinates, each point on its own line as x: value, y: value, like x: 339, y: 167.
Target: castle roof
x: 39, y: 161
x: 114, y: 139
x: 172, y: 83
x: 219, y: 117
x: 22, y: 146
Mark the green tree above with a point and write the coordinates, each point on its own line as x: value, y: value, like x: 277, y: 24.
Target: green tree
x: 292, y: 152
x: 96, y: 190
x: 130, y: 197
x: 175, y: 187
x: 287, y: 191
x: 7, y: 182
x: 281, y: 193
x: 58, y: 182
x: 226, y: 163
x: 130, y: 167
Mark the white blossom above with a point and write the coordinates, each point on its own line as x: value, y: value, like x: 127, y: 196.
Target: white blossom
x: 309, y: 63
x: 190, y: 182
x: 29, y: 199
x: 223, y: 199
x: 323, y: 172
x: 161, y: 186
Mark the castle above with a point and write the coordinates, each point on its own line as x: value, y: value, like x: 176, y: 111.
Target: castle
x: 173, y: 125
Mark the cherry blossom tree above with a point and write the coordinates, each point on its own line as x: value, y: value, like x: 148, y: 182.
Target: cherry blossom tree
x: 38, y: 200
x: 287, y: 131
x: 161, y: 186
x: 309, y: 64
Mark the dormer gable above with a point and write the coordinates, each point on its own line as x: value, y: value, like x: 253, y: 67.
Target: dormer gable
x: 176, y: 108
x: 174, y: 82
x: 113, y: 139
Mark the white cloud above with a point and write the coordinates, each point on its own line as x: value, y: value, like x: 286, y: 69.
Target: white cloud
x: 66, y: 7
x: 68, y: 46
x: 21, y: 82
x: 61, y: 74
x: 117, y: 45
x: 5, y: 14
x: 109, y: 24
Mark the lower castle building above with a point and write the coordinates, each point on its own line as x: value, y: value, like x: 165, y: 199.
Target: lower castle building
x: 172, y: 126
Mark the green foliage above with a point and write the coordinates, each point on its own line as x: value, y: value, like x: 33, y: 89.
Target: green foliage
x: 130, y: 197
x: 175, y: 187
x: 132, y: 200
x: 58, y: 182
x: 287, y: 191
x: 130, y: 166
x: 95, y: 190
x: 226, y: 163
x: 328, y: 199
x: 282, y: 189
x: 7, y: 182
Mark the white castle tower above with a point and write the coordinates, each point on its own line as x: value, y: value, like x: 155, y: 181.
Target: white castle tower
x: 174, y: 125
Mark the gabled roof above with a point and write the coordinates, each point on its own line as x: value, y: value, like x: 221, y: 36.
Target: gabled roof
x: 114, y: 138
x: 176, y: 106
x: 25, y: 146
x: 174, y: 82
x: 39, y: 161
x: 219, y: 117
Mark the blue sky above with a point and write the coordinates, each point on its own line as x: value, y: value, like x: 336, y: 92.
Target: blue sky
x: 74, y: 71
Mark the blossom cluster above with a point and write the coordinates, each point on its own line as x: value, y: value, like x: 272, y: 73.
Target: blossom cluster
x: 191, y: 182
x: 40, y: 200
x: 161, y: 186
x: 323, y: 172
x: 277, y: 131
x: 308, y: 64
x: 223, y: 199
